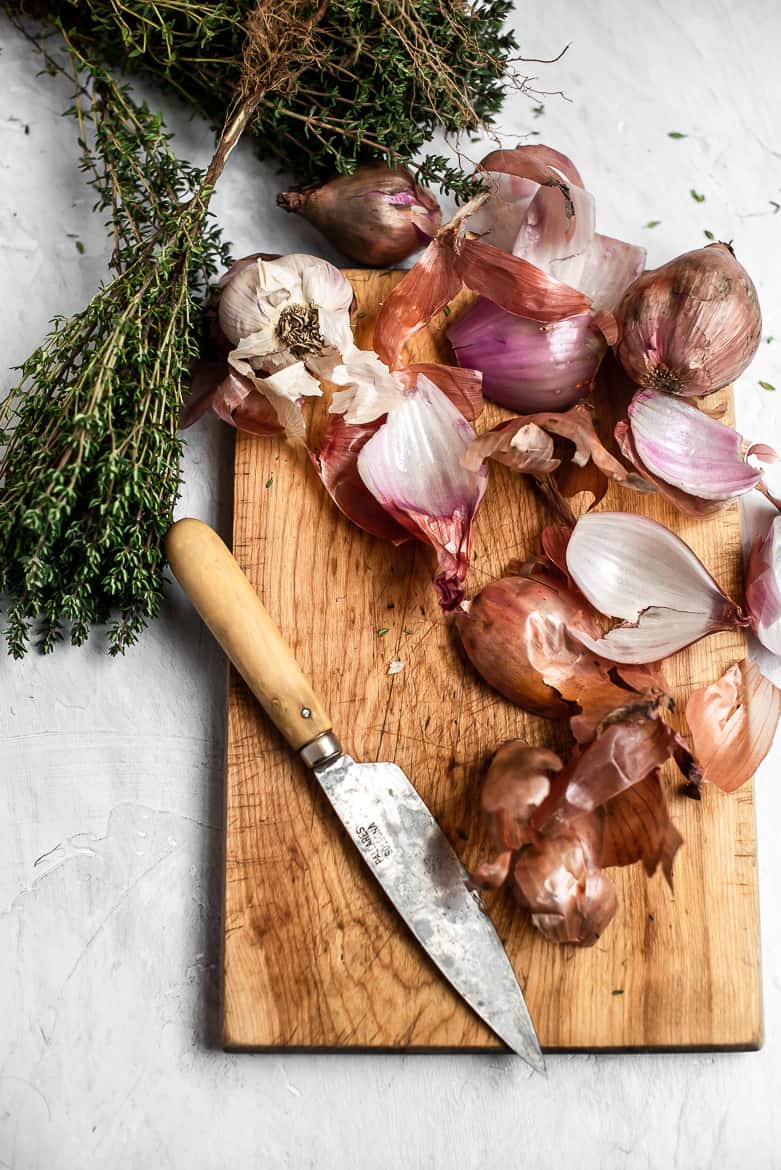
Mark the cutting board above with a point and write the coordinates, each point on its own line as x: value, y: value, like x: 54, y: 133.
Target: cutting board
x: 314, y: 956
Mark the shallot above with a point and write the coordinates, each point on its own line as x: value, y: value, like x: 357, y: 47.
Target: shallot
x: 378, y: 215
x: 633, y: 568
x: 691, y: 326
x: 697, y: 462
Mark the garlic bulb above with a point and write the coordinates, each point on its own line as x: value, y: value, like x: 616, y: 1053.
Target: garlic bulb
x: 378, y: 215
x: 691, y: 326
x: 287, y: 320
x: 290, y: 307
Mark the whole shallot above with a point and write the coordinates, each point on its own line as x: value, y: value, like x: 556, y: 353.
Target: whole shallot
x: 691, y: 326
x: 377, y: 216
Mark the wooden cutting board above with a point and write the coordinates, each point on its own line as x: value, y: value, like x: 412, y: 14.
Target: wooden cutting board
x: 314, y: 957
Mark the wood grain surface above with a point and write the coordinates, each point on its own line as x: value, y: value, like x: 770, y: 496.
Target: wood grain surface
x: 314, y: 956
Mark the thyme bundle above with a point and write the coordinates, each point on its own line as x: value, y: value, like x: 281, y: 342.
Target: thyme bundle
x: 90, y: 467
x: 387, y: 74
x: 89, y: 472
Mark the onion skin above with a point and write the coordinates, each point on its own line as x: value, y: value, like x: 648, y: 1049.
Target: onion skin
x: 692, y: 326
x: 377, y: 216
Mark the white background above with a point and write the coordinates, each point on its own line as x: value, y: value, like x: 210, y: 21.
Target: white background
x: 111, y: 771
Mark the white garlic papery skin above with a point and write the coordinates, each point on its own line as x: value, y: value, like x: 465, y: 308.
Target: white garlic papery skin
x: 287, y: 309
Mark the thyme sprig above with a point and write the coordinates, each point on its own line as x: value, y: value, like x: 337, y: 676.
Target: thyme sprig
x: 90, y: 469
x: 387, y: 75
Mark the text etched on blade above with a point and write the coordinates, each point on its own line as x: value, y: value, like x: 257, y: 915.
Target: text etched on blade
x: 374, y: 843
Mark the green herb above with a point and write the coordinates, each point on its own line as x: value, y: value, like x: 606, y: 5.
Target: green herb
x: 386, y: 76
x: 80, y: 247
x: 696, y: 196
x: 766, y: 385
x: 269, y: 481
x: 769, y: 339
x: 676, y: 134
x: 446, y: 311
x: 708, y: 235
x: 383, y: 631
x: 89, y: 474
x: 90, y: 466
x: 538, y: 110
x: 652, y: 223
x: 617, y: 991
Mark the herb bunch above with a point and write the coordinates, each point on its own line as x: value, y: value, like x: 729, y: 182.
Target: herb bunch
x: 90, y: 469
x: 386, y: 76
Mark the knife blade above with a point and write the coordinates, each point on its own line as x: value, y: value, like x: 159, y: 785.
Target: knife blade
x: 387, y: 820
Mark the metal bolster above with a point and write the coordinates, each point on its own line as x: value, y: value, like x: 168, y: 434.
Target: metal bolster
x: 321, y: 750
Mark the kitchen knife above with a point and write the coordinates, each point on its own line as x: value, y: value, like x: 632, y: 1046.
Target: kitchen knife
x: 393, y: 830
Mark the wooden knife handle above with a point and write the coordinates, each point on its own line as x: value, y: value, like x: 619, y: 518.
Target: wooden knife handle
x: 241, y: 624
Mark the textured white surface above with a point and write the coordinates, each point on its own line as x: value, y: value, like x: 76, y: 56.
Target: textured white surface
x: 111, y: 771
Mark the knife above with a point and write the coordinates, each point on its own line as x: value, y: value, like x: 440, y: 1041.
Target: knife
x: 394, y: 832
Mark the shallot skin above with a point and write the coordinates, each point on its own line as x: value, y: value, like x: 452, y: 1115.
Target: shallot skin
x: 496, y: 633
x: 691, y: 326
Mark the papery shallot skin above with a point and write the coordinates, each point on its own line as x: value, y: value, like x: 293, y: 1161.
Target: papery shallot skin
x: 691, y: 326
x: 497, y: 633
x: 763, y: 587
x: 556, y: 827
x: 732, y: 723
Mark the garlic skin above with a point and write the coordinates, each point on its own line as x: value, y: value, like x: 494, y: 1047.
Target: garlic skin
x: 376, y: 216
x: 692, y: 326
